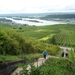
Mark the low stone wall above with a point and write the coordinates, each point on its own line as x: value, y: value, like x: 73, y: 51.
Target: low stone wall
x: 8, y: 67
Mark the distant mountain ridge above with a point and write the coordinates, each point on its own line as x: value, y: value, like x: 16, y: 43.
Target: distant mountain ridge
x: 64, y: 16
x: 51, y: 14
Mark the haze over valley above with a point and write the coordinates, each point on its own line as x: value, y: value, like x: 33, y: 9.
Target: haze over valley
x: 38, y: 19
x: 37, y: 12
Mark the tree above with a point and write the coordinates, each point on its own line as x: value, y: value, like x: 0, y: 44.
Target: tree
x: 53, y: 40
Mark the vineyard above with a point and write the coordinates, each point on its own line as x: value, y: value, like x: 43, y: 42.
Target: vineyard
x: 66, y: 37
x: 64, y: 33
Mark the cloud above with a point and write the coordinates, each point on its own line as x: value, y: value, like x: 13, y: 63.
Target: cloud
x: 70, y: 7
x: 35, y: 6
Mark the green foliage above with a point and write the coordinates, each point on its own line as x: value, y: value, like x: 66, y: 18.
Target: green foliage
x: 52, y: 40
x: 9, y: 58
x: 53, y: 66
x: 20, y: 27
x: 59, y: 66
x: 15, y: 43
x: 66, y: 36
x: 8, y: 45
x: 32, y: 71
x: 72, y: 55
x: 30, y: 56
x: 63, y: 33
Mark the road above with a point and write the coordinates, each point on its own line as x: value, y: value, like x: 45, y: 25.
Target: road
x: 65, y: 48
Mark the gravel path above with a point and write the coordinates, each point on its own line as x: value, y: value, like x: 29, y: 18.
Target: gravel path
x: 40, y: 61
x: 37, y: 63
x: 65, y: 48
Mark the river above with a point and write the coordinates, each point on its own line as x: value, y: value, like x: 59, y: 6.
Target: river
x: 36, y: 22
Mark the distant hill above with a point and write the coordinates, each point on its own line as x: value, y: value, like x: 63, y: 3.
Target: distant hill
x: 25, y: 15
x: 64, y: 16
x: 45, y: 15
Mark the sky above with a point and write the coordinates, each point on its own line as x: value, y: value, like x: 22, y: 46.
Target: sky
x: 36, y: 6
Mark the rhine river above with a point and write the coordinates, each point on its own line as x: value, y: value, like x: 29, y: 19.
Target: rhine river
x: 32, y: 22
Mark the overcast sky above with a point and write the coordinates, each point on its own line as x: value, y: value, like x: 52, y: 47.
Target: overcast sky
x: 36, y: 6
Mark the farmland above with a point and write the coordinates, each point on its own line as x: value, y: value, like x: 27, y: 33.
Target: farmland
x: 64, y: 34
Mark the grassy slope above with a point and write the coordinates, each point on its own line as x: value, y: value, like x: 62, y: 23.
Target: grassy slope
x: 58, y: 67
x: 53, y: 66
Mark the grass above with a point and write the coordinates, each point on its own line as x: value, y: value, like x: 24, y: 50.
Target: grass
x: 47, y: 37
x: 9, y: 58
x: 59, y: 66
x: 53, y: 66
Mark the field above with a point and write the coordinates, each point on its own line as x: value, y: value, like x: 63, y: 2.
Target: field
x: 66, y: 36
x: 64, y: 33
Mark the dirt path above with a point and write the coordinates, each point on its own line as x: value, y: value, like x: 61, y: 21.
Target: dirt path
x: 65, y: 48
x: 36, y: 64
x: 40, y: 61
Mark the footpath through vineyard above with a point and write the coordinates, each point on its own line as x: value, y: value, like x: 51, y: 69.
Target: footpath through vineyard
x: 40, y: 61
x: 36, y: 64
